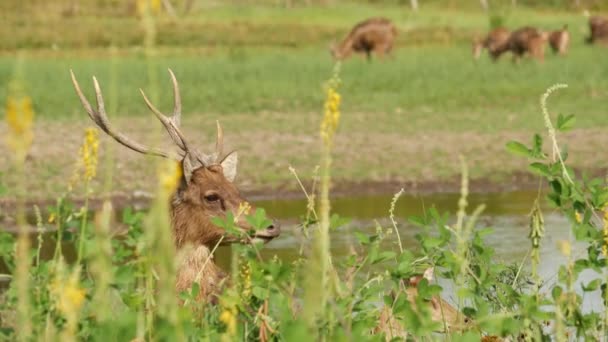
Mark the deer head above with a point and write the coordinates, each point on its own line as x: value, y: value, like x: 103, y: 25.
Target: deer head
x: 206, y: 189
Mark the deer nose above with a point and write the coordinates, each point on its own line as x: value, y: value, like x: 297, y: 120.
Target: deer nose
x: 274, y: 229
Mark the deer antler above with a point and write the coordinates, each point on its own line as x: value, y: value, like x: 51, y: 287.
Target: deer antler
x: 100, y: 117
x: 191, y: 158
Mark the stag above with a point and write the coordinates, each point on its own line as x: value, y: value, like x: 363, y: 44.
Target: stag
x: 598, y: 30
x: 495, y: 42
x: 206, y: 191
x: 559, y: 40
x: 375, y: 35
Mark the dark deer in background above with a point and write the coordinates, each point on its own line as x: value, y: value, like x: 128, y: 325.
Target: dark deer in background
x: 598, y: 30
x: 527, y: 40
x: 495, y: 42
x: 375, y: 35
x: 560, y: 40
x: 206, y: 190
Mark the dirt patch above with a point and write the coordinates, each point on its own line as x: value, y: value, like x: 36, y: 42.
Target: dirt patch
x: 364, y: 162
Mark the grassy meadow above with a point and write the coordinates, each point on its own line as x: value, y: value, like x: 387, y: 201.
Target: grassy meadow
x: 259, y: 69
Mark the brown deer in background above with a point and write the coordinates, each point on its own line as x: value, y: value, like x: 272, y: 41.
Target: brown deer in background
x: 559, y: 40
x: 206, y: 191
x: 495, y: 42
x: 375, y: 35
x: 598, y: 30
x: 527, y: 40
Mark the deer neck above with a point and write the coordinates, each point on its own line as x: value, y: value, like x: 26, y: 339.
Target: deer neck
x: 196, y: 265
x: 344, y: 48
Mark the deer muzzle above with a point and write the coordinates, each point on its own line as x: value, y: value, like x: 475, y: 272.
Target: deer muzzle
x: 271, y: 232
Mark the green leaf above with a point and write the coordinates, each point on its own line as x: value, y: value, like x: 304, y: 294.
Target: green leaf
x: 518, y: 148
x: 592, y: 286
x: 565, y: 123
x: 363, y: 238
x: 259, y: 292
x: 540, y: 169
x: 259, y: 220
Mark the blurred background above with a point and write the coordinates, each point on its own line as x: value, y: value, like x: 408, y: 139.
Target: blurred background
x: 259, y: 67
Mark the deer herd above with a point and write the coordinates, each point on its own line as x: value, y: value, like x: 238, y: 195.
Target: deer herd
x: 377, y: 36
x: 207, y: 190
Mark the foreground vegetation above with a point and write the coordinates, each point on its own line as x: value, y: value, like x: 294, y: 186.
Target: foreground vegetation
x: 120, y: 287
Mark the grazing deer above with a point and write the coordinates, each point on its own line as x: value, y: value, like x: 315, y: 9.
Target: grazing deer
x: 372, y: 35
x: 206, y: 191
x: 495, y: 42
x: 559, y: 40
x: 598, y: 30
x: 527, y: 40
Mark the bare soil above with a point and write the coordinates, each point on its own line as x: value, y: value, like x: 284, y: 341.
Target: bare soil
x: 364, y: 162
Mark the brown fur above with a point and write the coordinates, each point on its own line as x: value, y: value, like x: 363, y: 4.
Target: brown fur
x: 195, y: 264
x: 196, y: 236
x: 375, y: 35
x: 494, y: 42
x: 598, y: 30
x: 526, y: 40
x: 560, y: 40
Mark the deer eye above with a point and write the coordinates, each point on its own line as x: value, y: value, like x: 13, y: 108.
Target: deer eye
x: 212, y: 197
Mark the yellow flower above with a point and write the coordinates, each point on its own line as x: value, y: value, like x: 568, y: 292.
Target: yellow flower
x: 578, y: 217
x: 246, y: 280
x: 69, y: 296
x: 89, y: 153
x: 244, y: 209
x: 169, y: 176
x: 144, y: 5
x: 229, y: 319
x: 19, y: 118
x: 605, y: 232
x: 331, y: 116
x: 565, y: 247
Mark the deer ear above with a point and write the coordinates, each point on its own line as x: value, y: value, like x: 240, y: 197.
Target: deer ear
x: 229, y: 166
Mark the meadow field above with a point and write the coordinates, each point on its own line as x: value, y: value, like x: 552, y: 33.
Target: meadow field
x: 259, y: 70
x: 428, y: 119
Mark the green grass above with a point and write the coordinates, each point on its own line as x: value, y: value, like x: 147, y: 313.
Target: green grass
x: 435, y: 87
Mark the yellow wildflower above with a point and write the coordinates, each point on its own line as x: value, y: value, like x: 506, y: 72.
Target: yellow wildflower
x: 578, y: 217
x: 88, y: 153
x: 169, y: 176
x: 245, y: 280
x: 69, y: 296
x: 19, y: 118
x: 143, y: 6
x: 244, y: 209
x: 605, y: 232
x: 228, y: 317
x: 331, y: 116
x: 51, y: 218
x: 565, y: 247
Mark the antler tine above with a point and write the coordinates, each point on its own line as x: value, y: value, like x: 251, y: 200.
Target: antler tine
x: 101, y: 119
x: 177, y: 108
x: 219, y: 142
x: 171, y: 124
